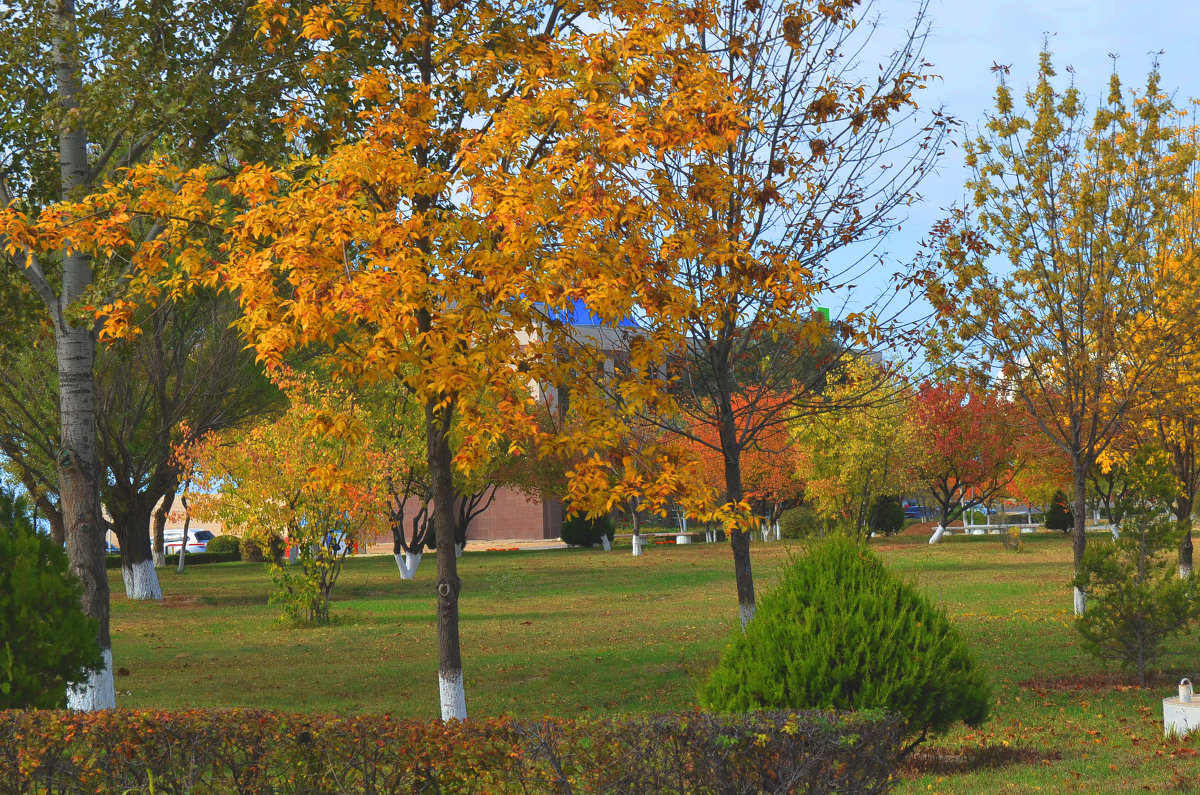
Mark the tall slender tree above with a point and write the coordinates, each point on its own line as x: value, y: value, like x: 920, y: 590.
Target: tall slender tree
x: 1082, y: 206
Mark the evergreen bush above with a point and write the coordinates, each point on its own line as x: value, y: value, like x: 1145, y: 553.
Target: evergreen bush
x: 1059, y: 515
x: 46, y: 641
x: 887, y: 515
x: 1135, y: 603
x: 580, y: 531
x: 842, y: 632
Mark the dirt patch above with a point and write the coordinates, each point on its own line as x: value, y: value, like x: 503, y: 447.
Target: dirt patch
x: 1093, y: 682
x: 949, y: 761
x: 926, y: 528
x: 182, y: 602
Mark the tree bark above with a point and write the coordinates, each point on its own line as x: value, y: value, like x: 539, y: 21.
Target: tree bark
x: 448, y: 586
x: 131, y: 523
x: 157, y: 553
x: 75, y: 348
x: 739, y: 537
x: 1079, y: 532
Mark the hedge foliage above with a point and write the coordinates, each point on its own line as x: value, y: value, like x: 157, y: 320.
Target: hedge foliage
x: 193, y: 559
x: 580, y: 531
x: 841, y: 631
x: 248, y: 751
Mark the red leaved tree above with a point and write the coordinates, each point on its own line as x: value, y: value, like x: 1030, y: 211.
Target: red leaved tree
x: 965, y: 448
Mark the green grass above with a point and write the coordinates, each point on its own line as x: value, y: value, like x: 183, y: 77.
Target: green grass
x: 578, y: 632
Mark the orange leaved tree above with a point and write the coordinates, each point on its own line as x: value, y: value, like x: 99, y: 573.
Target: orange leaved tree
x: 311, y: 476
x: 439, y: 245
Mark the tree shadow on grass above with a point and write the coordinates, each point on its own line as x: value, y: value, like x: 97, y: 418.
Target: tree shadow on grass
x: 954, y: 761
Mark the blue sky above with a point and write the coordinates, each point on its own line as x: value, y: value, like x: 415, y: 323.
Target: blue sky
x: 969, y: 36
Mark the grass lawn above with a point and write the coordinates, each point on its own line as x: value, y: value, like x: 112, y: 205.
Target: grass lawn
x: 578, y: 632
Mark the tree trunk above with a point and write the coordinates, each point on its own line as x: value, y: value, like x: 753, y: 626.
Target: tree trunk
x: 161, y: 513
x: 739, y: 537
x: 187, y: 524
x: 132, y: 526
x: 637, y: 528
x: 1185, y: 556
x: 1079, y: 533
x: 76, y: 349
x: 54, y: 517
x: 450, y: 675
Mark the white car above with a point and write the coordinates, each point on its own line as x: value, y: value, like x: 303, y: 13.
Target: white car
x: 197, y: 541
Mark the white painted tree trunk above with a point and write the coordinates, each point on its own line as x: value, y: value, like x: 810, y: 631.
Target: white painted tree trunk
x: 637, y: 544
x: 159, y: 559
x: 1185, y: 571
x: 453, y: 696
x: 606, y: 543
x: 141, y: 581
x: 407, y: 562
x: 1116, y: 532
x: 96, y: 692
x: 1080, y: 601
x: 938, y: 532
x: 458, y: 550
x: 778, y: 531
x: 745, y: 614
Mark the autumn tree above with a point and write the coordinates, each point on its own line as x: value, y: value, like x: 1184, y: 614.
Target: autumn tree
x: 1082, y: 207
x: 439, y: 245
x: 961, y: 445
x: 751, y: 235
x: 311, y: 474
x: 854, y: 452
x: 90, y: 91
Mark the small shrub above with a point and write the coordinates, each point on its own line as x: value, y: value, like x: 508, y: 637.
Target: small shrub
x: 259, y: 550
x: 1059, y: 515
x: 887, y: 515
x: 1012, y: 539
x: 799, y: 522
x: 1135, y: 602
x: 46, y: 641
x: 224, y: 544
x: 842, y: 632
x: 580, y: 531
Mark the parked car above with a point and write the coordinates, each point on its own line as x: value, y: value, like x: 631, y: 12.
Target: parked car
x: 197, y: 540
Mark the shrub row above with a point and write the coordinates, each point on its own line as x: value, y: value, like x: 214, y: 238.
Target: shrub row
x: 250, y: 751
x: 193, y: 559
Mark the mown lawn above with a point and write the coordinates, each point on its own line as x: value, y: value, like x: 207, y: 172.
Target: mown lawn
x: 578, y: 632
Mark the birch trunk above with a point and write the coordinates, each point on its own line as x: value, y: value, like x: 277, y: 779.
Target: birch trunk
x: 75, y: 348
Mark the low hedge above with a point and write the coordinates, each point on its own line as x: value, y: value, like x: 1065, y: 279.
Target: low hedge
x: 252, y: 751
x: 193, y: 559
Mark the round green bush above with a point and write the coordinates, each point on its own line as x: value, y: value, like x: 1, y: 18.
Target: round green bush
x: 257, y: 550
x: 1059, y: 515
x: 843, y: 632
x: 46, y: 641
x: 224, y: 544
x: 799, y: 522
x: 580, y: 531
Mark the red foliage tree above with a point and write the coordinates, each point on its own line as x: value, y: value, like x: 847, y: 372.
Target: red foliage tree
x: 965, y: 449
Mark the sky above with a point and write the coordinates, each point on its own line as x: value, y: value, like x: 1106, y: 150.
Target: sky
x: 969, y: 36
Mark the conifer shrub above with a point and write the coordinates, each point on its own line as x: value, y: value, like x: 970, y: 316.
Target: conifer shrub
x: 843, y: 632
x: 1059, y: 515
x: 887, y: 515
x: 580, y: 531
x: 46, y: 641
x: 1135, y: 603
